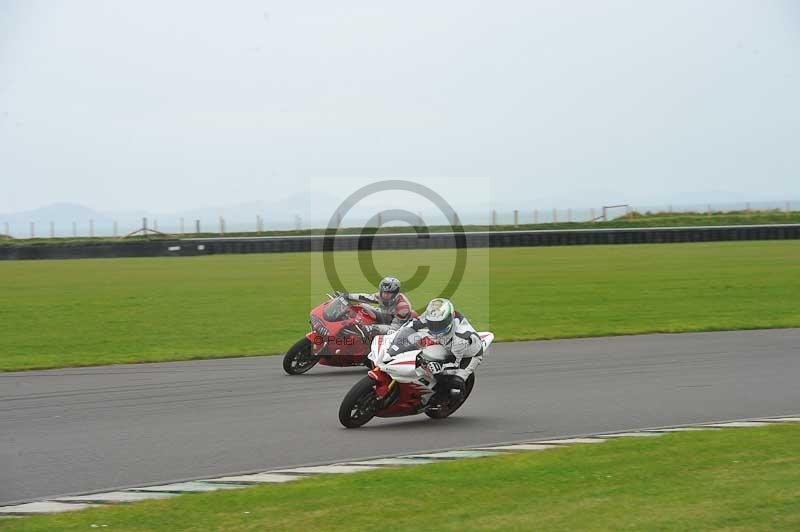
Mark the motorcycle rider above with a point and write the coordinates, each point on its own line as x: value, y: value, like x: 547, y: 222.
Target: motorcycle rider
x: 442, y: 324
x: 394, y: 306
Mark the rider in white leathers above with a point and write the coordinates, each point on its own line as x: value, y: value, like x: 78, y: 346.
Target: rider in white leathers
x: 443, y: 325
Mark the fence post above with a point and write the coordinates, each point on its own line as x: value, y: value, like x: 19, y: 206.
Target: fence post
x: 221, y: 226
x: 516, y: 218
x: 494, y: 217
x: 197, y: 226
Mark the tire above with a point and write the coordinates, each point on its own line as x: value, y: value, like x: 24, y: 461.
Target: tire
x: 442, y: 413
x: 359, y: 405
x: 299, y: 358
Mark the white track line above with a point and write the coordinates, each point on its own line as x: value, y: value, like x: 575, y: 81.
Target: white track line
x: 79, y: 502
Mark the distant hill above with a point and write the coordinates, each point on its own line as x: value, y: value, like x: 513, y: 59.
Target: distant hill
x: 315, y: 209
x: 57, y: 212
x: 285, y: 213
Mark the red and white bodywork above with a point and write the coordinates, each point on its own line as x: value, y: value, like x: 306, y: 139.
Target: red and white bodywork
x: 399, y: 384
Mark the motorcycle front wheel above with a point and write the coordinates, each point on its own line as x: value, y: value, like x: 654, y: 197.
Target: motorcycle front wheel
x: 300, y: 357
x: 359, y: 405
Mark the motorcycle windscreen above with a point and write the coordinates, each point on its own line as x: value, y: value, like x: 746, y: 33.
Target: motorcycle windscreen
x: 337, y: 310
x: 405, y: 340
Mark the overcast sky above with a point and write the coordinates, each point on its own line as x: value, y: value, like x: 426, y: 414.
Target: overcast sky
x: 172, y: 105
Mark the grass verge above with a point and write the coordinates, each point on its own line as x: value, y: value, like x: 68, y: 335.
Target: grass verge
x: 89, y: 312
x: 733, y: 480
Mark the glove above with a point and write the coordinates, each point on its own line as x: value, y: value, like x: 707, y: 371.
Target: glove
x: 434, y: 367
x: 365, y: 331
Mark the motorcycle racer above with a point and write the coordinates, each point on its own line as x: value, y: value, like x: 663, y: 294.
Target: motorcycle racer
x: 394, y: 306
x: 405, y: 375
x: 443, y: 325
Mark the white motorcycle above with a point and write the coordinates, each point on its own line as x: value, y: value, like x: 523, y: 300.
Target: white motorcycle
x: 402, y: 380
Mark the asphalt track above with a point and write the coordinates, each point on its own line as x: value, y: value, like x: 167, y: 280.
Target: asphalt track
x: 92, y: 429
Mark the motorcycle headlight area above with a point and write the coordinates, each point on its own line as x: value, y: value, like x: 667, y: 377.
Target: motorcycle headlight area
x: 318, y: 327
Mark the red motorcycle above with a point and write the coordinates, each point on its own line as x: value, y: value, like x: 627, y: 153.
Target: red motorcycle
x: 340, y: 336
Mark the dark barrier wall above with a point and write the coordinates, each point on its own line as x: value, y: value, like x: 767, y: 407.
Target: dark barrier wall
x: 215, y: 246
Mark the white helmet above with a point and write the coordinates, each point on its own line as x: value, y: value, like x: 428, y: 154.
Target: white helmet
x: 439, y: 318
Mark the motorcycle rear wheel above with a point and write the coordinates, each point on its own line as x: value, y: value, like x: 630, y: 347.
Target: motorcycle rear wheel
x: 300, y: 357
x: 441, y: 413
x: 359, y: 405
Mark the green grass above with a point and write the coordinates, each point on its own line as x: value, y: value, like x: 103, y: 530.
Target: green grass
x: 88, y: 312
x: 733, y: 480
x: 698, y: 219
x: 632, y: 219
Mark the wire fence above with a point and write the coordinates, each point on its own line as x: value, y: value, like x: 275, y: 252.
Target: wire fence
x: 256, y: 223
x: 633, y: 212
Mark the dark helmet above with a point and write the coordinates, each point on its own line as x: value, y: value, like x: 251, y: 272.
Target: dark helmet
x: 388, y: 290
